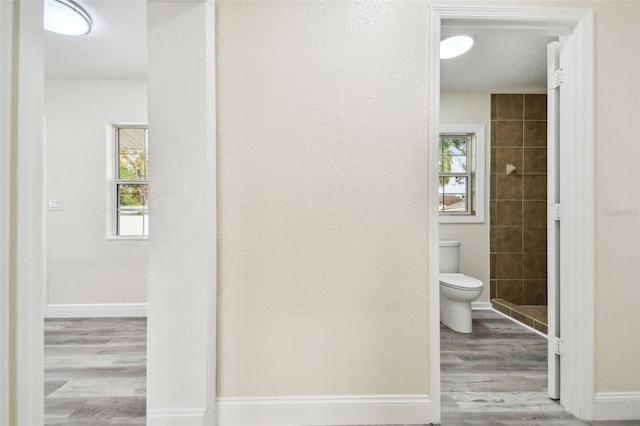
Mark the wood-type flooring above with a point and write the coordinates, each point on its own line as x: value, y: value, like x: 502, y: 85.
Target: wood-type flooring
x: 497, y: 375
x: 95, y: 371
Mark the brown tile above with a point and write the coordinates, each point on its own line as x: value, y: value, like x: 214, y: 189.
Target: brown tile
x: 508, y: 266
x: 535, y: 293
x: 534, y: 266
x: 540, y: 327
x: 508, y: 239
x: 523, y: 319
x: 492, y: 267
x: 510, y: 107
x: 492, y: 141
x: 492, y: 289
x: 508, y: 133
x: 506, y: 303
x: 535, y: 187
x: 492, y: 187
x: 534, y: 213
x: 534, y: 240
x: 506, y: 156
x: 493, y: 160
x: 508, y: 187
x: 535, y: 133
x: 535, y: 107
x: 509, y: 213
x: 492, y: 239
x: 510, y: 290
x: 494, y: 106
x: 535, y: 160
x: 493, y: 207
x: 501, y: 308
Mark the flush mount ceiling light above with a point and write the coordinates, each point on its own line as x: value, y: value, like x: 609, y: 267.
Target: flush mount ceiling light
x: 455, y: 46
x: 66, y: 17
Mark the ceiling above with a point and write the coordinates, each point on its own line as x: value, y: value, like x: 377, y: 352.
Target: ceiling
x: 499, y: 62
x: 502, y: 59
x: 116, y: 47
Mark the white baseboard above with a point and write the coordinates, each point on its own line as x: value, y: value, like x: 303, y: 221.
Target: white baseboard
x: 97, y: 310
x: 616, y: 406
x: 480, y: 306
x: 325, y: 410
x: 175, y: 418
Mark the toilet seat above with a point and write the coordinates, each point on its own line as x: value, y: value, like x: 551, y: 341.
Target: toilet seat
x: 460, y: 282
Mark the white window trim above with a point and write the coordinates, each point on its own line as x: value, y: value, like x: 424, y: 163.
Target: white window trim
x: 479, y: 183
x: 111, y: 205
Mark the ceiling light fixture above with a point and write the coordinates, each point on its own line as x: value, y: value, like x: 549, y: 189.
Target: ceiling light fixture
x: 455, y: 46
x: 66, y: 17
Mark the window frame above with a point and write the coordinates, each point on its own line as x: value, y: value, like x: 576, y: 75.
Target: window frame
x: 113, y: 179
x: 476, y: 165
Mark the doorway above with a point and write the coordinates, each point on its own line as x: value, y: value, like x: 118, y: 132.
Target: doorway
x: 575, y: 29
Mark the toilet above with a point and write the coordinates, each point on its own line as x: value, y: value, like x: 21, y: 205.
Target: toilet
x: 457, y: 290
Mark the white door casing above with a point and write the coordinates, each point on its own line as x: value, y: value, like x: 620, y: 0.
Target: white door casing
x: 553, y: 223
x: 575, y: 28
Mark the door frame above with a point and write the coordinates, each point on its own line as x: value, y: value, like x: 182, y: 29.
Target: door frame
x: 22, y: 214
x: 577, y: 256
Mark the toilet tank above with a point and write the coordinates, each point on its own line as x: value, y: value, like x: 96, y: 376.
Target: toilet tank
x: 449, y: 256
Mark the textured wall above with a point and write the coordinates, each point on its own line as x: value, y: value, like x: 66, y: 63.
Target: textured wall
x: 182, y: 244
x: 322, y: 198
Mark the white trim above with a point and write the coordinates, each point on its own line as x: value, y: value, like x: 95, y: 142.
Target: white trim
x: 175, y: 418
x: 578, y: 310
x: 477, y: 305
x: 29, y: 221
x: 101, y: 310
x: 433, y: 220
x: 577, y: 255
x: 6, y: 115
x: 325, y: 410
x: 480, y: 132
x: 212, y: 288
x: 616, y: 406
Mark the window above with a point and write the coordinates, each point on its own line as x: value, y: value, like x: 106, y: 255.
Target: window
x: 461, y: 173
x: 130, y: 188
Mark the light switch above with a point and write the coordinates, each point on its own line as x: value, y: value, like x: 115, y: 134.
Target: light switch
x: 55, y: 205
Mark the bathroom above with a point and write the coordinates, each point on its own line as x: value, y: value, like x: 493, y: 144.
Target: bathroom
x: 503, y: 234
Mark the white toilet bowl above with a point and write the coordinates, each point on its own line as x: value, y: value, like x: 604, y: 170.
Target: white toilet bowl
x: 457, y: 291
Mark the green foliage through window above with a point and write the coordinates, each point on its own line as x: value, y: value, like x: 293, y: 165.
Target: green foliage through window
x: 455, y: 177
x: 132, y: 185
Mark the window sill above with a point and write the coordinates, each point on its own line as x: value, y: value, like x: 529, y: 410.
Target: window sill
x: 114, y: 238
x: 461, y: 219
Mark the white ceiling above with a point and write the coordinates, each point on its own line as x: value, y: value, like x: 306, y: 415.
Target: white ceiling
x: 498, y: 62
x: 501, y: 60
x: 116, y: 47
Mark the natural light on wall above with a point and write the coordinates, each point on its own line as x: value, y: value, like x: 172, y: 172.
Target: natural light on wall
x: 66, y: 17
x: 455, y: 46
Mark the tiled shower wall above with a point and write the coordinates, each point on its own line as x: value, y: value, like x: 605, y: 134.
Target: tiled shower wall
x: 518, y: 233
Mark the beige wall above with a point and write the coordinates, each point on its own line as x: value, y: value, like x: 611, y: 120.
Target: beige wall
x: 470, y: 108
x: 617, y: 70
x: 303, y: 184
x: 322, y: 198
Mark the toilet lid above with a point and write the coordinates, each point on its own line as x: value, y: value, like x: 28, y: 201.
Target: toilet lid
x: 460, y: 281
